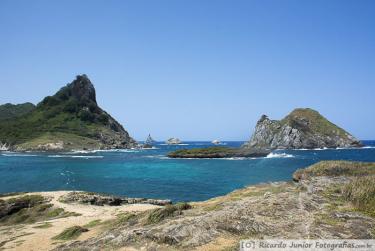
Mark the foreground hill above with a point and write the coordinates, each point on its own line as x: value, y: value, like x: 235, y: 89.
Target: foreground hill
x: 10, y: 111
x: 329, y: 200
x: 302, y: 128
x: 70, y: 119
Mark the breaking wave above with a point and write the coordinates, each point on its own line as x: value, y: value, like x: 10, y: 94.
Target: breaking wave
x: 279, y: 155
x: 76, y: 156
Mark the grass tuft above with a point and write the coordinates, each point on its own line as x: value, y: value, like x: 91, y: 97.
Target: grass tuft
x: 44, y: 225
x: 93, y: 223
x: 336, y: 168
x: 361, y: 193
x: 160, y: 214
x: 70, y: 233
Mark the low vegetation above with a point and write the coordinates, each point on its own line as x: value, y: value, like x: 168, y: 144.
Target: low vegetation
x: 29, y: 209
x: 10, y: 111
x: 361, y: 193
x: 44, y: 225
x: 218, y: 152
x: 336, y: 168
x: 70, y: 233
x: 318, y: 123
x: 160, y: 214
x: 93, y: 223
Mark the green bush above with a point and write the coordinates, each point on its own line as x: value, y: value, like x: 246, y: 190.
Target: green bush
x: 86, y: 116
x: 103, y: 118
x: 72, y: 106
x: 50, y: 101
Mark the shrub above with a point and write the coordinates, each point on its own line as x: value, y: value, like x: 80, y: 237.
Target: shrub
x: 86, y: 115
x: 71, y: 106
x: 50, y: 101
x: 63, y: 94
x: 103, y: 118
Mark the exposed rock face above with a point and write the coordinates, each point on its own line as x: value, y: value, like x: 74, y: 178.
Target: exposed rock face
x: 303, y: 128
x: 4, y: 147
x: 173, y: 141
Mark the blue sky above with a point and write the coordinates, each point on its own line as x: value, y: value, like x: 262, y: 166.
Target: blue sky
x: 197, y: 69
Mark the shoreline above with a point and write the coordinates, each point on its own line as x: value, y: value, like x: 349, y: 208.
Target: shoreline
x: 312, y: 206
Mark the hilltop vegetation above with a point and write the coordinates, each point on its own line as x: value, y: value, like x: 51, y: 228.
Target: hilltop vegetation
x: 10, y: 111
x: 70, y: 116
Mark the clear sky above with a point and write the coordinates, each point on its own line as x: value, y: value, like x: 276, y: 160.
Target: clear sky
x: 196, y: 69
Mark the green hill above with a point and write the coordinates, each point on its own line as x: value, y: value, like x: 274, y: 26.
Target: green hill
x: 70, y: 119
x: 10, y: 111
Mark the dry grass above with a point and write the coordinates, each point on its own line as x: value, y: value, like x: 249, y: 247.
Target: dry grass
x: 361, y: 192
x: 70, y: 233
x: 336, y: 168
x: 160, y: 214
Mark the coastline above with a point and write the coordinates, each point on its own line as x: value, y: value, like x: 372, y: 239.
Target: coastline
x: 312, y: 207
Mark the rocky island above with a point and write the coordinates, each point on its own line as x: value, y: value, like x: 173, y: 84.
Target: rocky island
x: 69, y: 120
x: 173, y: 141
x: 218, y: 152
x: 301, y: 129
x: 328, y: 200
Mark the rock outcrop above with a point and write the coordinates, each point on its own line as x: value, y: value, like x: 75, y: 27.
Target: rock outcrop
x: 173, y: 141
x: 101, y: 200
x: 301, y: 129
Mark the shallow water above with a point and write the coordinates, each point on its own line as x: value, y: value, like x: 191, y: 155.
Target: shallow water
x: 149, y: 173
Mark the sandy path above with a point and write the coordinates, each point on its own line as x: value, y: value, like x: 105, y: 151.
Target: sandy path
x: 26, y: 237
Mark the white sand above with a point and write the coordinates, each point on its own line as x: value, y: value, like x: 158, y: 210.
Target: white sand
x: 26, y: 237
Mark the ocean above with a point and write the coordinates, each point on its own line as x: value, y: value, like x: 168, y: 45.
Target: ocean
x: 149, y: 173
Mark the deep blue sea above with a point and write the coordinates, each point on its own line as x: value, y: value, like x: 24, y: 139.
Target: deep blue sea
x: 149, y: 173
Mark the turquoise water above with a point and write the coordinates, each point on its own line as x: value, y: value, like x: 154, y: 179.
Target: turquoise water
x: 148, y: 173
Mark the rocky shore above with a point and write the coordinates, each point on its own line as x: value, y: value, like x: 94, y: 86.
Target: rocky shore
x: 331, y: 199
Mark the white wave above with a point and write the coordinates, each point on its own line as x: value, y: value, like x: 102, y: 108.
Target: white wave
x: 18, y: 155
x: 182, y: 144
x: 235, y: 158
x: 367, y: 147
x: 76, y: 156
x: 151, y: 148
x: 132, y: 150
x: 279, y: 155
